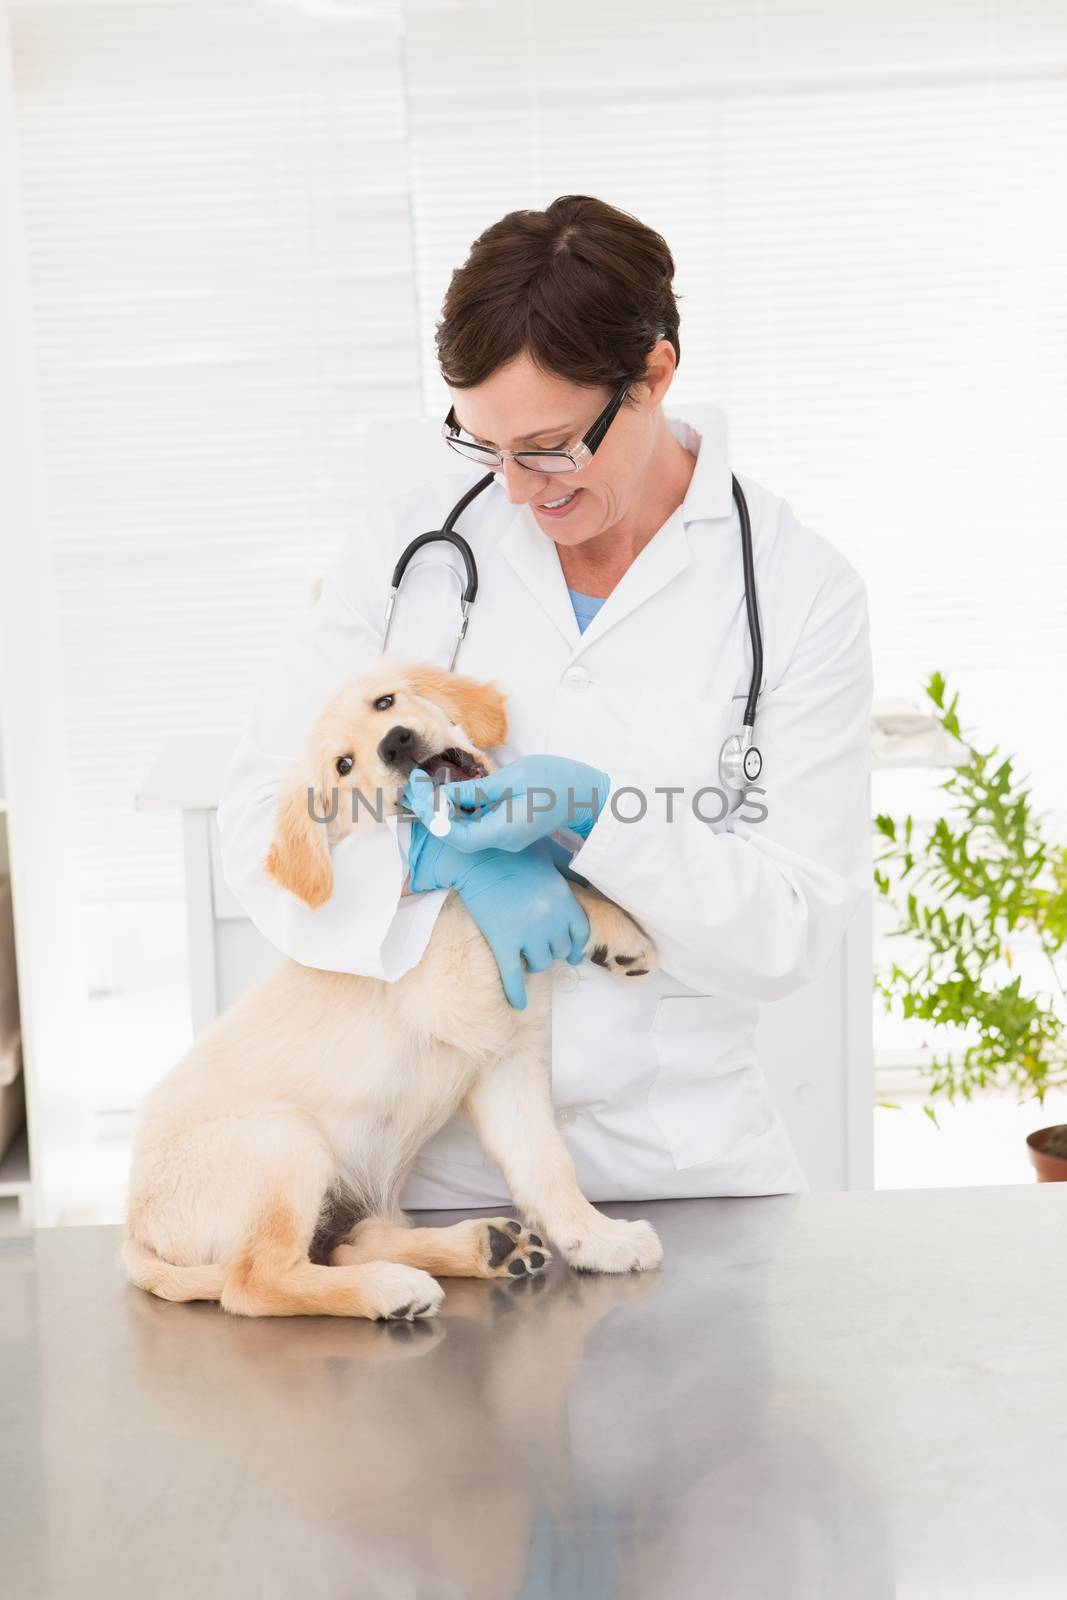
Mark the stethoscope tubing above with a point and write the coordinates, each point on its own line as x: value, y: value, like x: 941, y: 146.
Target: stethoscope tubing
x: 448, y: 535
x: 752, y: 609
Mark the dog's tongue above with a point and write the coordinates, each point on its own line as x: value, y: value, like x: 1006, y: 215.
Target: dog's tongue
x: 442, y: 768
x: 445, y: 771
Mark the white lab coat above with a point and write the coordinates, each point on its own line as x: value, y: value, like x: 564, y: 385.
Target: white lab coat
x: 658, y: 1088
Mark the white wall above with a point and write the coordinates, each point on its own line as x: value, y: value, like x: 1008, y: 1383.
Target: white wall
x: 241, y: 219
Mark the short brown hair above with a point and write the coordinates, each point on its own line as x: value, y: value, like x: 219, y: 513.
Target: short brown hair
x: 582, y: 288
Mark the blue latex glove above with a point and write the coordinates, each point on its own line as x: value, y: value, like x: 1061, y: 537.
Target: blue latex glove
x: 546, y: 793
x: 562, y: 858
x: 518, y: 899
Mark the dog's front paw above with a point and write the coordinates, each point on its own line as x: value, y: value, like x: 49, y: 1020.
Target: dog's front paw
x: 618, y: 945
x: 612, y: 1245
x: 400, y: 1293
x: 636, y: 962
x: 508, y: 1250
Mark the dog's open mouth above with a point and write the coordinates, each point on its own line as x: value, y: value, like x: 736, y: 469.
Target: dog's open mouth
x: 452, y: 766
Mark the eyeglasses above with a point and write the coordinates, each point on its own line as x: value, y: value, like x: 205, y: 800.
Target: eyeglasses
x: 572, y: 460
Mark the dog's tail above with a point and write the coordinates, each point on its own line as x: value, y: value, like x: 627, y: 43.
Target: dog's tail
x: 149, y: 1271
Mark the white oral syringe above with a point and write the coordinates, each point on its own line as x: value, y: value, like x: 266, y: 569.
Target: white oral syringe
x: 440, y: 823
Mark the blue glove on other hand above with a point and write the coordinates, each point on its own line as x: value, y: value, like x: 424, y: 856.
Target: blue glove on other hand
x: 518, y: 899
x: 523, y: 802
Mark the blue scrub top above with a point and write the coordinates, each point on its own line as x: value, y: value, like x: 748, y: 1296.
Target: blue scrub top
x: 585, y: 606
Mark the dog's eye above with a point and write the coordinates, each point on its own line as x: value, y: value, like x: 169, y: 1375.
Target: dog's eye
x: 344, y: 765
x: 383, y: 702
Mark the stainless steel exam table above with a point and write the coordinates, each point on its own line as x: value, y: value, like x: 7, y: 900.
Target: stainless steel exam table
x: 818, y: 1395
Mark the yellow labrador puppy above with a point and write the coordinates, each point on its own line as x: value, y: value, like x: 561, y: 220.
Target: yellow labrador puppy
x: 267, y: 1163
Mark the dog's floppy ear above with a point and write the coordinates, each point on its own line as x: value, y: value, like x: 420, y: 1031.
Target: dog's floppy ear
x: 477, y: 707
x: 299, y: 857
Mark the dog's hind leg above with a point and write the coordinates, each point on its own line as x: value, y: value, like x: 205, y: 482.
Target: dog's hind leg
x: 272, y: 1277
x: 481, y: 1247
x: 231, y: 1207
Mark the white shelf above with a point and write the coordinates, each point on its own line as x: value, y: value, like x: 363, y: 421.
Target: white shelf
x: 15, y: 1167
x: 15, y: 1164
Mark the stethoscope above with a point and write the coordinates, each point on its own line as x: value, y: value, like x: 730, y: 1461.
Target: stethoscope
x: 740, y: 762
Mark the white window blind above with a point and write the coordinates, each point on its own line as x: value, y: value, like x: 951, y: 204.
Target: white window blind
x: 218, y: 215
x: 866, y: 209
x: 243, y: 219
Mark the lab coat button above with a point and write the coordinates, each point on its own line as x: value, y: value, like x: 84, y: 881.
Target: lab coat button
x: 577, y: 679
x: 807, y: 1094
x: 564, y: 1118
x: 567, y: 978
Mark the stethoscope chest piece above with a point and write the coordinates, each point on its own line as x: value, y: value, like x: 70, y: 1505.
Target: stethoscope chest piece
x: 740, y: 762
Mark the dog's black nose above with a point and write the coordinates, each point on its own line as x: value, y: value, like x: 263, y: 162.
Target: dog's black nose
x: 398, y: 746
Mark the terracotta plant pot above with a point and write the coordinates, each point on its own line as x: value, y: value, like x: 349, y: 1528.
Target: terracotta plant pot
x: 1051, y: 1164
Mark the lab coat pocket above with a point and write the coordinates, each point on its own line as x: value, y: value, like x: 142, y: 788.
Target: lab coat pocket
x: 708, y: 1097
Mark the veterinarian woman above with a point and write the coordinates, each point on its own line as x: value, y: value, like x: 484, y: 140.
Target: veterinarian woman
x: 617, y: 629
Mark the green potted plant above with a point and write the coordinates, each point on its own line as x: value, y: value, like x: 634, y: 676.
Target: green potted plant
x: 966, y: 891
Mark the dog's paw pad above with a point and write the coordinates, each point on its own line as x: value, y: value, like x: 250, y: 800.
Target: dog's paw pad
x: 501, y: 1245
x: 516, y: 1253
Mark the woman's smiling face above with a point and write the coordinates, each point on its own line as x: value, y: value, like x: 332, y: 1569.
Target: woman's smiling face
x: 521, y: 407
